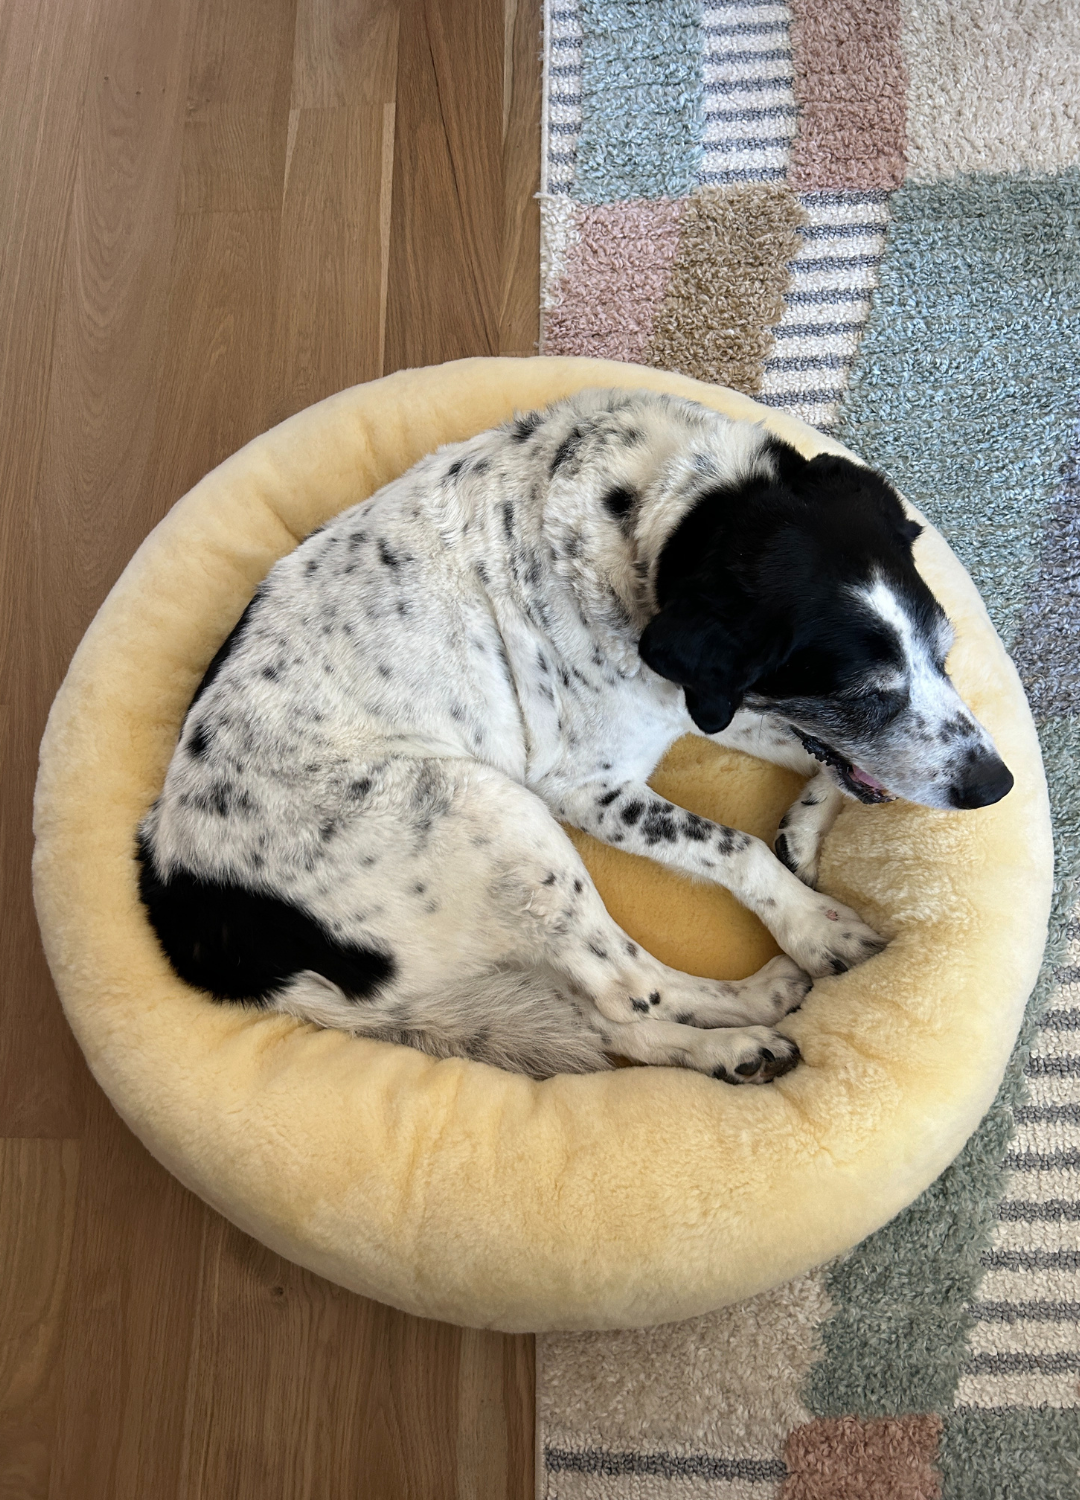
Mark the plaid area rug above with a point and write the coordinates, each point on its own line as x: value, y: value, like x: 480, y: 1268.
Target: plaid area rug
x: 866, y: 212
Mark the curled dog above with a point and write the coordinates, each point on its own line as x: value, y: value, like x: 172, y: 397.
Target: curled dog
x: 360, y: 823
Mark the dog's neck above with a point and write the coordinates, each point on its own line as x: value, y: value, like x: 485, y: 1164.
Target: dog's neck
x: 608, y: 587
x: 609, y: 557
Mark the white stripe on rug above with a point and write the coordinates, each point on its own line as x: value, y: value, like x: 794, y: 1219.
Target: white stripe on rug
x: 1023, y: 1349
x: 826, y: 307
x: 562, y: 96
x: 750, y: 112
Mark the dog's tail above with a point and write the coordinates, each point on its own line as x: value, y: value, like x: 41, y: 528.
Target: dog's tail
x: 520, y: 1020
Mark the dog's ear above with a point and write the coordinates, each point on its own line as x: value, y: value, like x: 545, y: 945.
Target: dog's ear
x: 829, y: 477
x: 690, y: 644
x: 788, y: 462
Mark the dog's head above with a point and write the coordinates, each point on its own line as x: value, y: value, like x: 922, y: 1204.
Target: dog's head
x: 796, y: 594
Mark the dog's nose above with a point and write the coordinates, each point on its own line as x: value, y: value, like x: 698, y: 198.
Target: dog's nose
x: 984, y: 779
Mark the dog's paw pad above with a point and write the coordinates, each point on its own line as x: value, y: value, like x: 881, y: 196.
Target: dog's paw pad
x: 763, y: 1065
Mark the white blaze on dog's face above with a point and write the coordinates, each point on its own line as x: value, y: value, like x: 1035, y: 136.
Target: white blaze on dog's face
x: 901, y: 726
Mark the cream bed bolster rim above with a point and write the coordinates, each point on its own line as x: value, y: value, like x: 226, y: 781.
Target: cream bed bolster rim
x: 450, y: 1189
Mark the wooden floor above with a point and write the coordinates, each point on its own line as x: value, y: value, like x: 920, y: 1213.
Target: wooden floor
x: 212, y: 213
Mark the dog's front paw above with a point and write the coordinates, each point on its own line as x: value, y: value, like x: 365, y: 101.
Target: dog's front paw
x: 825, y: 937
x: 752, y: 1054
x: 804, y: 826
x: 799, y: 850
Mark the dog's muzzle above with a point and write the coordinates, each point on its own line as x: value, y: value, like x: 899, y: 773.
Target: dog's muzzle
x: 856, y: 781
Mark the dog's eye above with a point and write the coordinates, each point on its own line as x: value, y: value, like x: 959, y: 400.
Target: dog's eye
x: 884, y: 700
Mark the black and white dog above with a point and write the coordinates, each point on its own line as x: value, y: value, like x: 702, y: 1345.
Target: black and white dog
x: 360, y: 823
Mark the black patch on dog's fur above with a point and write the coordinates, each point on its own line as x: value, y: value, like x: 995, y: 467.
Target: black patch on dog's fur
x: 199, y: 742
x: 524, y: 426
x: 241, y: 944
x: 754, y: 587
x: 566, y: 449
x: 618, y: 502
x: 658, y: 824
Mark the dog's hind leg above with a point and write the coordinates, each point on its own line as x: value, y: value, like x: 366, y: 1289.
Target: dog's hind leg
x: 750, y: 1054
x: 503, y: 950
x: 523, y: 1020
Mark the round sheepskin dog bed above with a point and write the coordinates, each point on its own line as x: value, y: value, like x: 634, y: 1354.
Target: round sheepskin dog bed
x: 454, y: 1190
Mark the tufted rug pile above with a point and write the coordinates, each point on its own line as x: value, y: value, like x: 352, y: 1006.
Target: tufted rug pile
x: 866, y: 212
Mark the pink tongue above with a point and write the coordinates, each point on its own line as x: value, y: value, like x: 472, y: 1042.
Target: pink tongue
x: 865, y: 780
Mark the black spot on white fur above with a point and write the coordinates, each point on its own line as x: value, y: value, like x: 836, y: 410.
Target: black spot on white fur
x: 619, y: 501
x: 524, y: 426
x: 198, y: 741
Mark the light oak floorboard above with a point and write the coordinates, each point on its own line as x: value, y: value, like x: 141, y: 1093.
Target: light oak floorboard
x: 38, y: 1179
x: 212, y: 213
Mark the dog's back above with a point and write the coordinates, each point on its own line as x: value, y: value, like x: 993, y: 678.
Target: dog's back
x: 347, y: 798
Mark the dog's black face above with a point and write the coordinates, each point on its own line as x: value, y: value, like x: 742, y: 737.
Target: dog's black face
x: 797, y: 595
